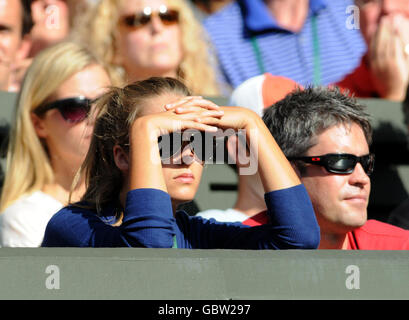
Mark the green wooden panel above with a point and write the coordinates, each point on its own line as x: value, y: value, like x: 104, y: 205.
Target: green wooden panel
x: 158, y: 274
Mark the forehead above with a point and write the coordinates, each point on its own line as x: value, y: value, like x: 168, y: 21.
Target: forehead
x: 157, y: 104
x: 342, y: 138
x: 10, y: 12
x: 90, y: 82
x: 139, y: 5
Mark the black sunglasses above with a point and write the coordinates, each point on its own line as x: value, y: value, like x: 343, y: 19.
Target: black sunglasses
x: 137, y: 20
x: 205, y: 145
x: 73, y: 110
x: 341, y: 163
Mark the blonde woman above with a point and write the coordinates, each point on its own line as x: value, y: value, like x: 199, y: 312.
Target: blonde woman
x: 143, y: 38
x: 49, y: 140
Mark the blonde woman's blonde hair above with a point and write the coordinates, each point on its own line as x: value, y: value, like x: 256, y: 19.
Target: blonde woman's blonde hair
x: 197, y: 68
x: 28, y: 165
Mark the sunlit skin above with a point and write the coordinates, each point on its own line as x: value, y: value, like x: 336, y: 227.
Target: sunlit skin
x: 340, y: 201
x: 289, y: 14
x: 67, y: 142
x: 151, y: 50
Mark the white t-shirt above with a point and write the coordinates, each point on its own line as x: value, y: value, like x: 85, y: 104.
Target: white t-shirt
x: 228, y: 215
x: 23, y: 223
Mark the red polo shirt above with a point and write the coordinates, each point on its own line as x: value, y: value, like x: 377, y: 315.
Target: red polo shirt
x: 373, y: 235
x: 360, y: 82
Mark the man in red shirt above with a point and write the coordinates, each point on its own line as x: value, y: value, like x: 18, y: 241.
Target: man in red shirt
x: 384, y: 69
x: 326, y: 136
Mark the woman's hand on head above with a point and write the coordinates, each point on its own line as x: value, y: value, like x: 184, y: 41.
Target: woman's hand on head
x: 187, y: 113
x: 189, y: 103
x: 232, y: 117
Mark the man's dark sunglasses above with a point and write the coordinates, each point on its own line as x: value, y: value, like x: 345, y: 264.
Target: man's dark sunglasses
x: 204, y: 145
x: 141, y: 19
x: 73, y: 110
x: 341, y: 163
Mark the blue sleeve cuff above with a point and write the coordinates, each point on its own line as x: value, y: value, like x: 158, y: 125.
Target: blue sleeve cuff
x: 149, y: 200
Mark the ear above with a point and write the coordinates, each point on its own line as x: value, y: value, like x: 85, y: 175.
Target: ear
x: 38, y: 125
x: 121, y: 158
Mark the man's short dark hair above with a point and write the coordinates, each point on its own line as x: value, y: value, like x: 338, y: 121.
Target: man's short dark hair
x: 297, y: 120
x: 27, y: 19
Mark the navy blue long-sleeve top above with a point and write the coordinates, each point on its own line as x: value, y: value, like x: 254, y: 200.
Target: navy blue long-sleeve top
x: 148, y: 221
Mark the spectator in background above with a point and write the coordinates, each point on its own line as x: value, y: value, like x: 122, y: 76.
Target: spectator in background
x: 400, y: 216
x: 257, y: 94
x: 53, y: 20
x: 51, y: 23
x: 134, y: 186
x: 49, y: 139
x: 143, y: 38
x: 326, y: 136
x: 15, y: 26
x: 304, y: 40
x: 384, y: 69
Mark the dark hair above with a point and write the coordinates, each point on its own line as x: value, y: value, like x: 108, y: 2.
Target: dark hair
x: 115, y: 112
x: 297, y: 120
x: 27, y: 19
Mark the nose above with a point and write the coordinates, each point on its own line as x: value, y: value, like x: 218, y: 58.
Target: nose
x: 184, y: 157
x: 188, y: 155
x: 359, y: 177
x: 156, y: 24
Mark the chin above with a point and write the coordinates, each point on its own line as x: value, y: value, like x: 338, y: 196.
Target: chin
x: 342, y: 220
x: 355, y: 219
x: 183, y: 194
x: 181, y: 198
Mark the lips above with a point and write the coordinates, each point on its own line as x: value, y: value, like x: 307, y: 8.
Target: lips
x: 362, y: 198
x: 185, y: 178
